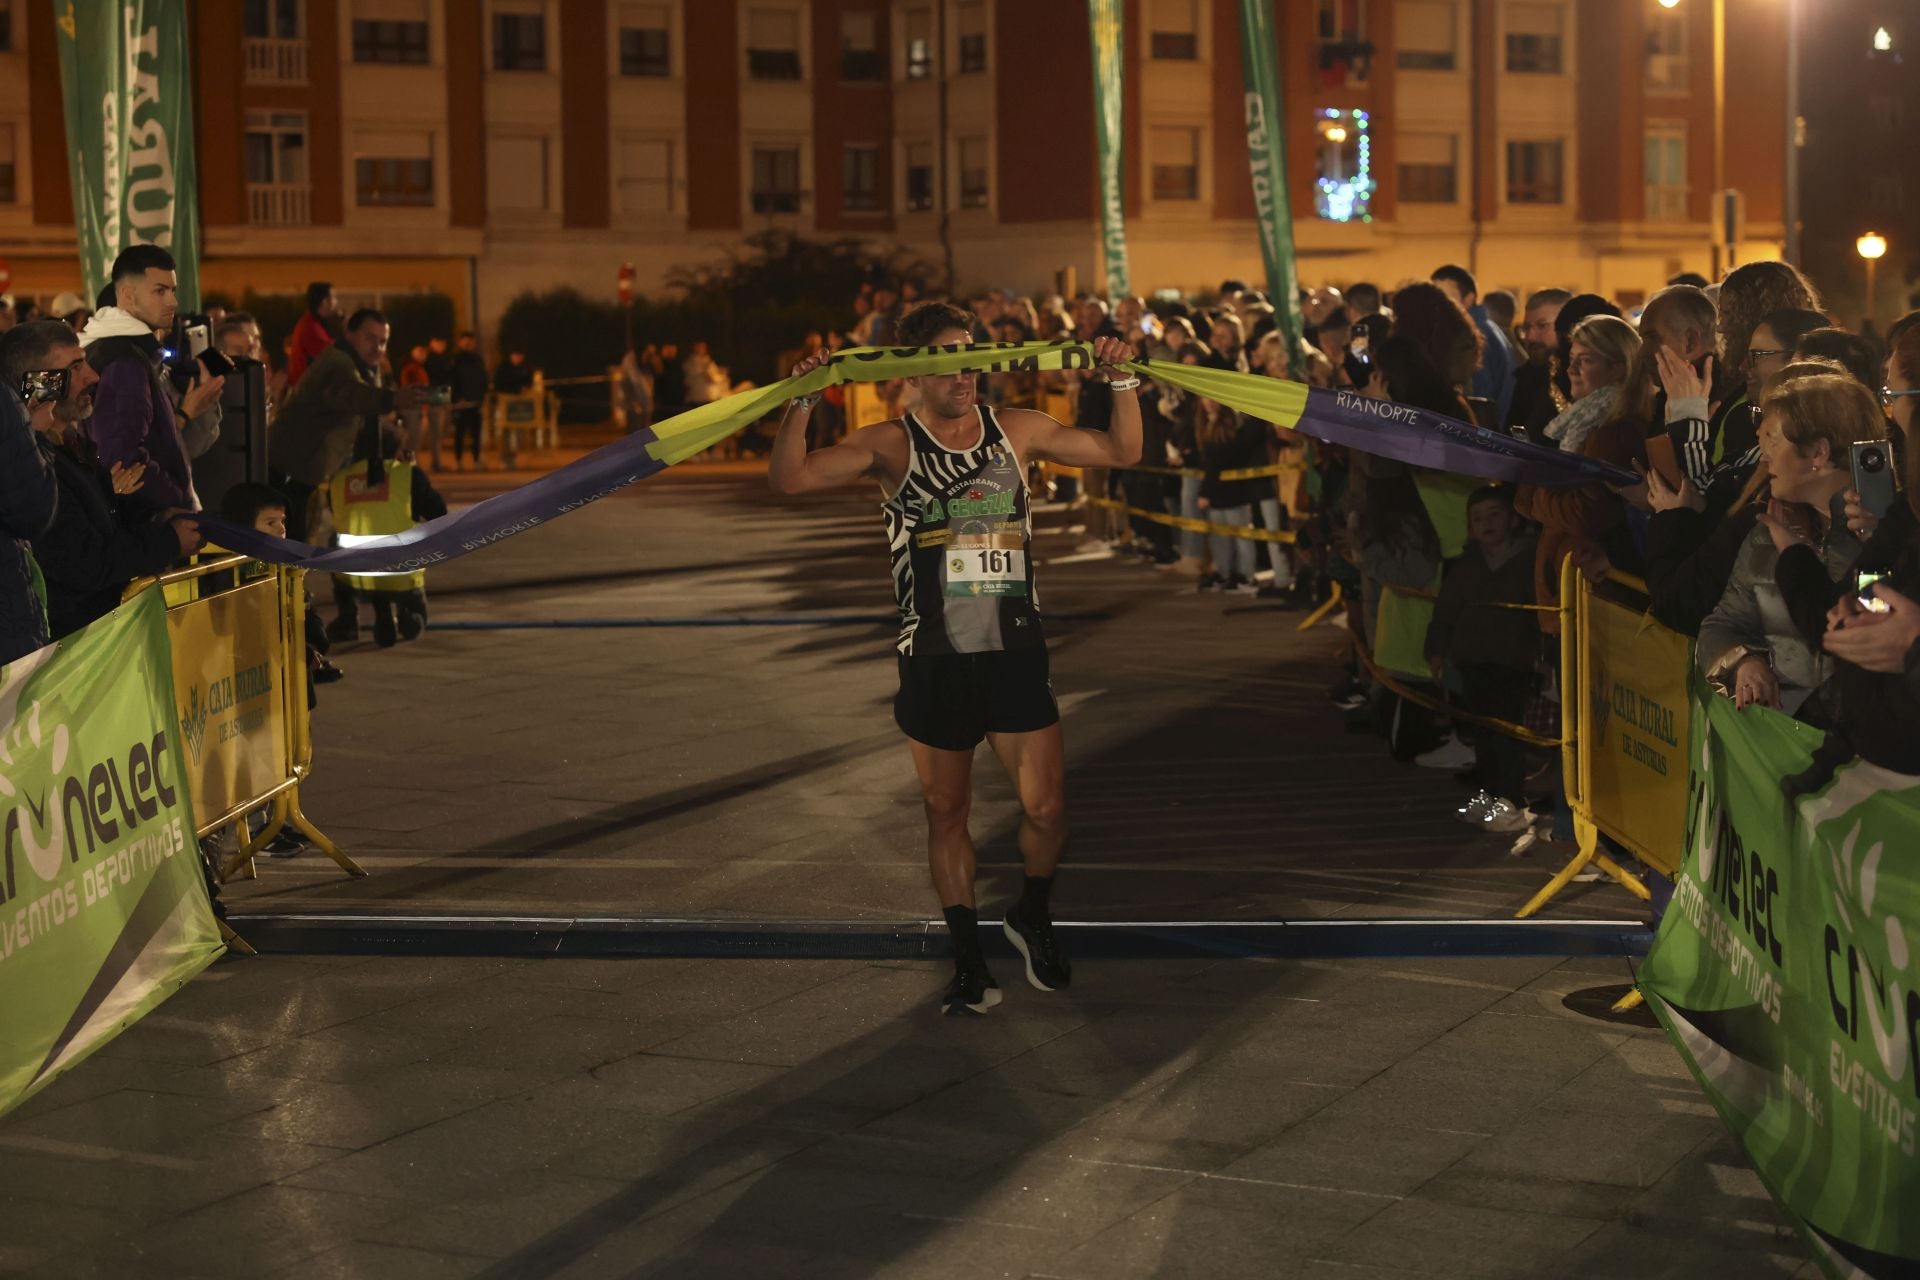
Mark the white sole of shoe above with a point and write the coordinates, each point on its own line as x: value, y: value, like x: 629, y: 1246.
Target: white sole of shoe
x: 987, y: 1001
x: 1026, y: 956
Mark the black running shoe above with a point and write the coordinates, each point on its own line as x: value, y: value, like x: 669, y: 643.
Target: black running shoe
x: 1047, y: 966
x: 972, y: 990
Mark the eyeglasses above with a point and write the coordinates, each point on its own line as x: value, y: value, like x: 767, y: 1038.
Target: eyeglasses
x: 1888, y: 395
x: 1754, y: 353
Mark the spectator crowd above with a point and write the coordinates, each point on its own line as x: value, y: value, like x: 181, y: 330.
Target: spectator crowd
x: 1774, y: 518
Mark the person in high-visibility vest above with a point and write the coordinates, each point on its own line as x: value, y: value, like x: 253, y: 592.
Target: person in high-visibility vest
x: 372, y: 499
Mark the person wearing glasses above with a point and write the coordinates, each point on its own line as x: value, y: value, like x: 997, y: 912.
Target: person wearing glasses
x: 1868, y: 622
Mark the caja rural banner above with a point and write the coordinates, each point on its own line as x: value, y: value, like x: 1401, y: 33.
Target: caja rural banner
x: 124, y: 77
x: 1787, y: 969
x: 103, y: 902
x: 1343, y: 418
x: 229, y: 685
x: 1267, y: 166
x: 1633, y: 720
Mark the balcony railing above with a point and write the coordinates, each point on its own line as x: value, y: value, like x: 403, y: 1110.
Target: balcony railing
x: 271, y: 61
x: 279, y: 204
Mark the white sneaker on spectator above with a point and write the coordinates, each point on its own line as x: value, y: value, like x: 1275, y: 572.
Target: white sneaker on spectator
x: 1506, y: 817
x: 1476, y: 809
x: 1590, y: 873
x: 1451, y: 754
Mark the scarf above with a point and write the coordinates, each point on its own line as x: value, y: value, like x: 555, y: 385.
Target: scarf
x: 112, y: 322
x: 1572, y: 425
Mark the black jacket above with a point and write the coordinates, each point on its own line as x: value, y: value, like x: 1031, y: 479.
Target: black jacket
x: 1469, y: 627
x: 1245, y: 449
x: 28, y: 500
x: 1689, y: 559
x: 1876, y: 716
x: 95, y: 546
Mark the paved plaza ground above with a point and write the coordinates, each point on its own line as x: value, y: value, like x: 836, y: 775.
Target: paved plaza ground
x: 387, y: 1116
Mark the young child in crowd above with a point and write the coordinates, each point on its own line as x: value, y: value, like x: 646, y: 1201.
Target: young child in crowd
x: 1491, y: 649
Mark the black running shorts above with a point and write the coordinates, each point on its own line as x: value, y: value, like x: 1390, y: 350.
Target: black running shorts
x: 953, y: 700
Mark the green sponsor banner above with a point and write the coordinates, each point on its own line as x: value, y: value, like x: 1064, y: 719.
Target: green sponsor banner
x: 1109, y: 63
x: 123, y: 74
x: 1267, y: 158
x: 1787, y: 969
x: 103, y: 904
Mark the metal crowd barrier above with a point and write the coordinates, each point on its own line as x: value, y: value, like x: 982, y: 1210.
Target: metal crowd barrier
x: 1625, y: 718
x: 237, y: 630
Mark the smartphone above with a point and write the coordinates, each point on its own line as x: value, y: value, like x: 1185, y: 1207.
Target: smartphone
x: 199, y: 338
x: 1864, y: 594
x: 1873, y: 476
x: 1358, y: 350
x: 439, y: 395
x: 44, y: 386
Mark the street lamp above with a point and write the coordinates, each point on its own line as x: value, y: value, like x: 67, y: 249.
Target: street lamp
x: 1871, y: 247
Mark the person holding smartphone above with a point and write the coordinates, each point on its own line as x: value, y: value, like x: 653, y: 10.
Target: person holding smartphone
x: 1750, y: 643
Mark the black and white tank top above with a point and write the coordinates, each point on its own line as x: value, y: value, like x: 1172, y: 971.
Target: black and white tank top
x: 961, y: 535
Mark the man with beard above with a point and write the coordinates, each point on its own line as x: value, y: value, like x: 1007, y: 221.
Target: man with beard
x: 97, y: 542
x: 1533, y: 403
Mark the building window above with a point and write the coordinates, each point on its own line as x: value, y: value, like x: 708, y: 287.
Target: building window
x: 6, y: 26
x: 517, y: 175
x: 390, y: 31
x: 271, y: 20
x: 919, y: 176
x: 646, y: 47
x: 1428, y: 168
x: 646, y: 175
x: 275, y: 150
x: 1425, y: 31
x: 519, y: 36
x: 776, y: 179
x: 9, y: 168
x: 861, y: 61
x: 1343, y: 188
x: 1666, y: 48
x: 1533, y: 38
x: 971, y: 21
x: 1533, y: 172
x: 1340, y: 39
x: 773, y: 44
x: 919, y: 44
x: 394, y: 170
x: 973, y: 173
x: 1174, y: 35
x: 1176, y: 163
x: 860, y: 179
x: 1666, y: 173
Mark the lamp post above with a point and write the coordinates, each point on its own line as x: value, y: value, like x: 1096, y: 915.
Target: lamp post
x: 1871, y: 247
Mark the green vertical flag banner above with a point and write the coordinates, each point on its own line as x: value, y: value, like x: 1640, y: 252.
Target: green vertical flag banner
x: 1109, y: 68
x: 124, y: 76
x: 1267, y: 158
x: 1787, y: 970
x: 104, y: 910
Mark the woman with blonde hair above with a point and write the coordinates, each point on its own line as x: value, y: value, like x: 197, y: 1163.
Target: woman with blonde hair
x: 1587, y: 520
x: 1749, y: 643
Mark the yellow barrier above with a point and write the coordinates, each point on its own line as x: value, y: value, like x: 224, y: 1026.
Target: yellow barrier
x: 240, y: 688
x: 1623, y: 754
x: 1192, y: 525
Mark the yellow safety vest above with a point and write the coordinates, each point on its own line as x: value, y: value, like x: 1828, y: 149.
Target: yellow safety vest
x: 362, y: 512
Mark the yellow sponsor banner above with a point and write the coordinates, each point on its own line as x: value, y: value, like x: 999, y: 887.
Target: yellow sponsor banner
x: 1634, y: 717
x: 230, y: 695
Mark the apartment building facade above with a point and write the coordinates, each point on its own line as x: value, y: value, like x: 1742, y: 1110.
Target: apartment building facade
x: 485, y: 147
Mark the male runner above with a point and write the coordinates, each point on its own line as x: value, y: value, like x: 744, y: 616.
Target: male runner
x: 973, y: 663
